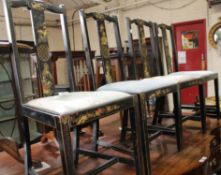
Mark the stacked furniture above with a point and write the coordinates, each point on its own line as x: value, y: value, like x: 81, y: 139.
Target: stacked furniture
x: 10, y: 125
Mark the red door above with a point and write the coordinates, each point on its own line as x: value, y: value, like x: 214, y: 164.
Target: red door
x: 190, y: 38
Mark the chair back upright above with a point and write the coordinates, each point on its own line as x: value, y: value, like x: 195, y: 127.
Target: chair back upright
x: 171, y: 61
x: 37, y: 14
x: 149, y: 64
x: 103, y: 43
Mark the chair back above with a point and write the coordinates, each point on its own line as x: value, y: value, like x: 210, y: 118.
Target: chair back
x: 149, y: 64
x: 100, y: 19
x: 37, y: 15
x: 171, y: 61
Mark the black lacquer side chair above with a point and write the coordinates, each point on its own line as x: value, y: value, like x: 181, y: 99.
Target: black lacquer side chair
x: 100, y: 20
x: 108, y: 77
x: 105, y: 56
x: 196, y: 78
x: 151, y: 68
x: 184, y: 81
x: 203, y: 75
x: 69, y: 109
x: 142, y: 88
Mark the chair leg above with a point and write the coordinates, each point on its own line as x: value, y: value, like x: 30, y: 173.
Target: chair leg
x: 202, y: 107
x: 137, y: 159
x: 124, y: 126
x: 142, y: 136
x: 178, y: 120
x: 156, y: 113
x: 216, y: 86
x: 95, y: 135
x: 161, y: 107
x: 76, y: 143
x: 27, y: 146
x: 65, y: 145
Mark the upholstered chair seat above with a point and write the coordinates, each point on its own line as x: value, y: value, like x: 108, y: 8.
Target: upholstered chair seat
x: 195, y: 74
x: 179, y: 78
x: 140, y: 86
x: 74, y: 102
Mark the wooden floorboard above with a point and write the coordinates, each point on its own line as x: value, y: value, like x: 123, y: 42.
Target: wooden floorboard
x: 165, y: 159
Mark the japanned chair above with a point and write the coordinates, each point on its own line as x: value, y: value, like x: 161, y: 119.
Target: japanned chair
x: 70, y: 109
x: 196, y: 78
x: 203, y: 75
x: 150, y: 67
x: 141, y: 88
x: 100, y: 20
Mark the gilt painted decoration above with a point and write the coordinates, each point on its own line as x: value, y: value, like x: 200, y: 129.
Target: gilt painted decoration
x: 42, y: 50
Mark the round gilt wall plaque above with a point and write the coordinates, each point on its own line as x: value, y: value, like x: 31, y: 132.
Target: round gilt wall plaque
x: 215, y: 34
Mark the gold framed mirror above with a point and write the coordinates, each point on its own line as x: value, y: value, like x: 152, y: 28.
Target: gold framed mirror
x: 215, y: 34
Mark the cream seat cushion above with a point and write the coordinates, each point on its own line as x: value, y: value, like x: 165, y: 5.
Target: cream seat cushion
x: 195, y: 74
x: 139, y: 86
x: 180, y: 78
x: 71, y: 103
